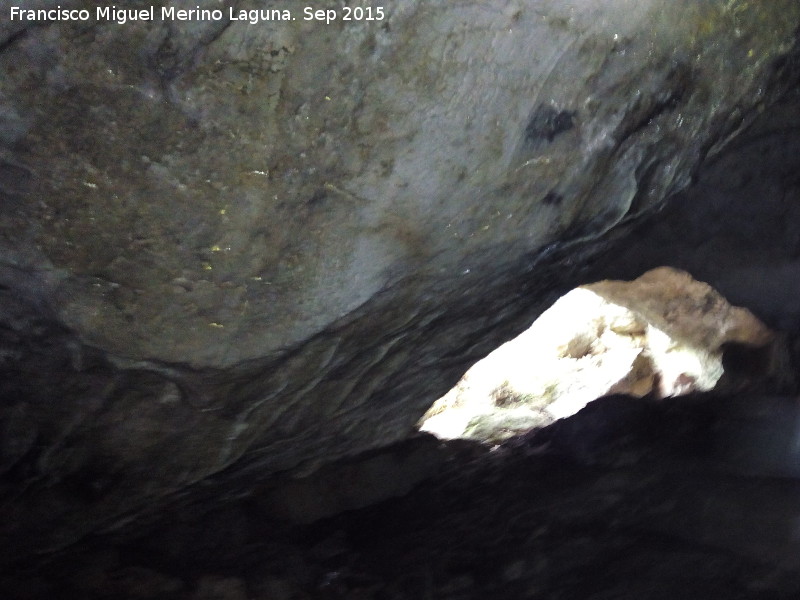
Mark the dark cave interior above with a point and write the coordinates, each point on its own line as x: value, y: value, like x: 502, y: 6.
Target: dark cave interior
x: 695, y: 496
x: 631, y: 498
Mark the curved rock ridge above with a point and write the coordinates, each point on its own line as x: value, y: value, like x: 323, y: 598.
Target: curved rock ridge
x: 237, y: 249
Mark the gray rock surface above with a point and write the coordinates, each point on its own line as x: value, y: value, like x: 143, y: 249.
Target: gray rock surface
x: 229, y: 249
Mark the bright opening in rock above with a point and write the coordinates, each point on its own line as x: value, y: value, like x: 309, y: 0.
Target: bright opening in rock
x: 660, y: 335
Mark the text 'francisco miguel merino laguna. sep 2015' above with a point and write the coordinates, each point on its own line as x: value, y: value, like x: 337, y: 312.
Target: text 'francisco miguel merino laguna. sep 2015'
x: 121, y: 16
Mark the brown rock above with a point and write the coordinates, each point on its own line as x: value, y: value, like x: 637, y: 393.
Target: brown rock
x: 689, y: 311
x: 641, y: 379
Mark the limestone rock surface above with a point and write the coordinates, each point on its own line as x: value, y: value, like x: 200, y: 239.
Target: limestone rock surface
x: 228, y: 250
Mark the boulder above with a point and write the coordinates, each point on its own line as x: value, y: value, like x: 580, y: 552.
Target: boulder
x: 688, y: 311
x: 229, y: 249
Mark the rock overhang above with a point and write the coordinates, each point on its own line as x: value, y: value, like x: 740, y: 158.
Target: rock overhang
x: 275, y: 245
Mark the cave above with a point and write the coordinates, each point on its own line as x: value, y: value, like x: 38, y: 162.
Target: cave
x: 241, y: 257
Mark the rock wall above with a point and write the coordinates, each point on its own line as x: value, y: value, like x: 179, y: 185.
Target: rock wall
x: 228, y: 249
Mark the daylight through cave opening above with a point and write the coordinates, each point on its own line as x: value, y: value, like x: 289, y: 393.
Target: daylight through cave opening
x: 661, y: 335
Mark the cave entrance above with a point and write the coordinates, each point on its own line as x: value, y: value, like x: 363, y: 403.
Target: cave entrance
x: 661, y: 335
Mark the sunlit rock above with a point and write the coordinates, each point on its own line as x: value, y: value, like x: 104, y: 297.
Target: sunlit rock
x: 581, y: 348
x: 688, y: 311
x: 661, y: 335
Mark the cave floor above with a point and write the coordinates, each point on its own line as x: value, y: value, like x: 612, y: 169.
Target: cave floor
x: 627, y: 499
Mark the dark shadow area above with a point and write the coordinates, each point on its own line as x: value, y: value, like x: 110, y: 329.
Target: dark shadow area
x: 737, y: 227
x: 629, y: 498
